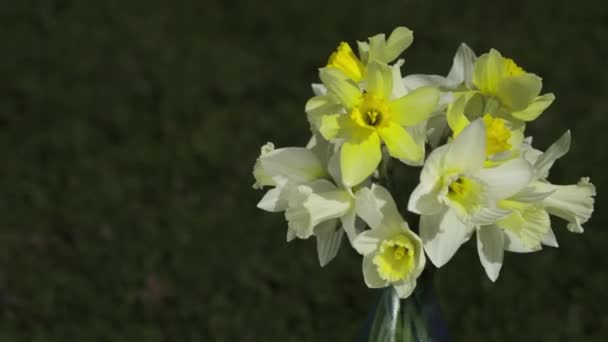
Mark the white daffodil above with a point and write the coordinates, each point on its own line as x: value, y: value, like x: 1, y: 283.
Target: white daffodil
x: 392, y: 253
x: 573, y: 203
x: 528, y: 226
x: 317, y: 209
x: 308, y: 187
x: 283, y: 169
x: 456, y: 193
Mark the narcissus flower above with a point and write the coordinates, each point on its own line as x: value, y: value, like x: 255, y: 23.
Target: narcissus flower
x: 283, y: 169
x: 456, y: 194
x: 372, y: 116
x: 503, y: 137
x: 528, y: 226
x: 517, y: 91
x: 392, y: 253
x: 308, y: 187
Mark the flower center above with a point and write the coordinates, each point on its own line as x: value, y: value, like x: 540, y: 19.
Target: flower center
x: 466, y: 194
x: 372, y: 117
x: 395, y: 258
x: 372, y: 112
x: 498, y: 135
x: 346, y: 61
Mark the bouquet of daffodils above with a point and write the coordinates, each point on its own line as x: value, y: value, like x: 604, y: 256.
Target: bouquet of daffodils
x: 480, y: 175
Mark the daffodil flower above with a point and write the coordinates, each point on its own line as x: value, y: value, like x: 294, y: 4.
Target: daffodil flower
x: 392, y: 253
x: 503, y: 137
x: 518, y: 91
x: 528, y: 226
x: 372, y: 116
x: 317, y: 209
x: 283, y: 169
x: 457, y: 194
x: 346, y: 62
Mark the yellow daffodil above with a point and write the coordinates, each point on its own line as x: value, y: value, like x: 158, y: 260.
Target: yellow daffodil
x: 370, y: 117
x: 517, y: 91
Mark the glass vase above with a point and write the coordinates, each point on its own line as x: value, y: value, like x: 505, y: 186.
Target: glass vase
x: 417, y: 318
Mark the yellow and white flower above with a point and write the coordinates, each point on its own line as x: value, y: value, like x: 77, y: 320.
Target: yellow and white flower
x: 528, y: 226
x: 392, y: 253
x: 457, y: 194
x: 370, y: 117
x: 517, y: 91
x: 345, y: 61
x: 504, y: 137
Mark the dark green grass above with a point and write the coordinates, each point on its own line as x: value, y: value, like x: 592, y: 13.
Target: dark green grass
x: 128, y: 132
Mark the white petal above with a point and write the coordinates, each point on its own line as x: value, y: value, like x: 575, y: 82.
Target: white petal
x: 513, y: 244
x: 377, y: 207
x: 367, y: 242
x: 573, y: 203
x: 506, y: 179
x: 349, y: 224
x: 370, y: 274
x: 312, y: 204
x: 468, y: 150
x: 275, y: 200
x: 319, y: 89
x: 424, y: 200
x: 399, y: 88
x: 531, y: 194
x: 490, y: 244
x: 554, y: 152
x: 442, y: 234
x: 386, y: 203
x: 550, y: 239
x: 297, y: 164
x: 405, y: 289
x: 412, y: 82
x: 329, y: 239
x: 291, y: 234
x: 367, y: 208
x: 488, y: 215
x: 463, y: 65
x: 437, y: 125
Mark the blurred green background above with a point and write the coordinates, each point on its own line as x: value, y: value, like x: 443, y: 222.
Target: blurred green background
x: 128, y: 131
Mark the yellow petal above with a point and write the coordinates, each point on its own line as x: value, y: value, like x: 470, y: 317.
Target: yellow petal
x: 489, y: 70
x: 359, y: 158
x: 329, y: 126
x: 416, y: 106
x: 386, y: 51
x: 380, y: 80
x: 340, y: 86
x: 536, y: 108
x: 518, y: 92
x: 456, y: 118
x: 400, y: 143
x: 345, y: 59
